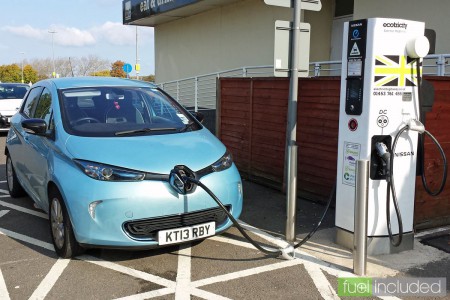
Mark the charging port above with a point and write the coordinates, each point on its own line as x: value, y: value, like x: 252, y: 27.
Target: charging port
x: 377, y: 166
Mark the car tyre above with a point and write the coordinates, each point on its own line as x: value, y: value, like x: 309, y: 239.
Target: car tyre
x: 63, y: 238
x: 14, y: 187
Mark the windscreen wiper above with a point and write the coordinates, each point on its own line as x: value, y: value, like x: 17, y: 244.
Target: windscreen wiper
x: 188, y: 126
x: 144, y: 130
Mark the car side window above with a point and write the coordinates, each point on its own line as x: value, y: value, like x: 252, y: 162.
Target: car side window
x: 31, y: 101
x: 43, y: 107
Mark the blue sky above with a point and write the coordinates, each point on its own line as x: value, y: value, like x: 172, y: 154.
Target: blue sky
x: 84, y: 27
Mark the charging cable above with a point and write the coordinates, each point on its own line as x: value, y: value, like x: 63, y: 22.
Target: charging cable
x: 286, y: 252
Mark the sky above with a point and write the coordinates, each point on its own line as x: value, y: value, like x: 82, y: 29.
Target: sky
x: 83, y: 28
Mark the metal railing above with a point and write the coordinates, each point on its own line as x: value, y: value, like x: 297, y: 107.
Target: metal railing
x: 199, y: 92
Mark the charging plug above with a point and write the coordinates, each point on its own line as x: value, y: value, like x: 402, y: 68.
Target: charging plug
x: 385, y: 155
x: 288, y: 252
x: 416, y: 125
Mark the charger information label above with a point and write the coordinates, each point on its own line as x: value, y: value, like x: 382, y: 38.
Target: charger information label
x: 351, y: 155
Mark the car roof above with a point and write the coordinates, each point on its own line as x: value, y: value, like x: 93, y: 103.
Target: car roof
x: 74, y: 82
x: 14, y: 84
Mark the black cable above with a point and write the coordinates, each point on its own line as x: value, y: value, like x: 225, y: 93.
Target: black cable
x: 270, y: 251
x: 422, y: 142
x: 311, y: 233
x: 267, y: 250
x: 444, y: 159
x: 391, y: 187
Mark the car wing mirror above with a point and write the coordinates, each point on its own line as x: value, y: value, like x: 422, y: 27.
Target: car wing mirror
x: 35, y: 126
x: 199, y: 116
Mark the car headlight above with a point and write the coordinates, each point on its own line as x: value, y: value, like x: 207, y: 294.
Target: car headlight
x: 108, y: 173
x: 223, y: 163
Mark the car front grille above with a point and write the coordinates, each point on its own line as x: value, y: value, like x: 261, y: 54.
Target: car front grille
x: 148, y: 228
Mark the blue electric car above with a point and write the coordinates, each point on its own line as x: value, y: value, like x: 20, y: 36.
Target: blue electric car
x: 97, y: 155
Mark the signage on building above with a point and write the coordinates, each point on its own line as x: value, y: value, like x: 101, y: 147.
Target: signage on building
x: 137, y: 9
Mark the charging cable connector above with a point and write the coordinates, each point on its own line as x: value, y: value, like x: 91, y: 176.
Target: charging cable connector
x: 416, y: 125
x: 385, y: 155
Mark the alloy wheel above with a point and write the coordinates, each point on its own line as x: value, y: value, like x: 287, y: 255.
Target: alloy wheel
x: 57, y: 221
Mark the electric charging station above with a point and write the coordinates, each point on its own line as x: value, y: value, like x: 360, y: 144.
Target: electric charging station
x: 379, y: 96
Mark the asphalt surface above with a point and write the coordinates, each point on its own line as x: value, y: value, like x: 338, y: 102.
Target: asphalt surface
x: 221, y: 267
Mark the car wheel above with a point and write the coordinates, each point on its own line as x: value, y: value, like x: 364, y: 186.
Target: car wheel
x: 63, y: 238
x: 14, y: 187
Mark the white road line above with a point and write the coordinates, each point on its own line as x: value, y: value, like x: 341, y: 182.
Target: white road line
x: 322, y: 284
x: 2, y: 181
x: 5, y: 196
x: 247, y: 272
x: 183, y: 273
x: 49, y: 281
x: 3, y: 289
x: 4, y: 192
x: 227, y: 240
x: 129, y: 271
x: 3, y: 212
x: 24, y: 210
x: 207, y: 295
x: 148, y: 295
x: 27, y: 239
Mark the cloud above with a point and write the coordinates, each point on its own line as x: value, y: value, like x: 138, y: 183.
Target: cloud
x: 113, y: 33
x: 118, y: 34
x: 64, y: 36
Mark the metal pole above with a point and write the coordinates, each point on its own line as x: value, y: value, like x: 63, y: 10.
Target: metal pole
x: 196, y: 95
x: 291, y: 141
x: 360, y: 236
x: 53, y: 53
x: 137, y: 55
x: 23, y: 53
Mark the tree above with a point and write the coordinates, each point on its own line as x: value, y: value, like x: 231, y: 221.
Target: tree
x: 150, y: 78
x: 90, y: 64
x: 30, y: 74
x: 104, y: 73
x: 10, y: 73
x: 117, y: 69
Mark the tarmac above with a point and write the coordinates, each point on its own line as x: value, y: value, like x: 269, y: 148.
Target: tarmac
x: 265, y: 208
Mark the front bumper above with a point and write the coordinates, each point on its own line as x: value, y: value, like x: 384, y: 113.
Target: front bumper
x: 99, y: 210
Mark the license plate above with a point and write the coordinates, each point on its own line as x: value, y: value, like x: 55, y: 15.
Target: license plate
x: 183, y: 234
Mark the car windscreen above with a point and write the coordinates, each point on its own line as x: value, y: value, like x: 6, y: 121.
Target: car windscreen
x: 13, y: 91
x: 122, y: 111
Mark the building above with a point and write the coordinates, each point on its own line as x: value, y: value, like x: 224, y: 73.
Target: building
x: 195, y: 37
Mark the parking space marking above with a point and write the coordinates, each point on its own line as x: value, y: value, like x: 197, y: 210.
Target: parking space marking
x: 50, y: 279
x: 183, y: 287
x: 24, y: 210
x: 148, y: 295
x: 246, y: 273
x: 129, y: 271
x: 3, y: 289
x: 3, y: 212
x: 321, y: 282
x: 27, y: 239
x: 4, y: 192
x: 183, y: 273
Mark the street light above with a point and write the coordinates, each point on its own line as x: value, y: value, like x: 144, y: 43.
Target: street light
x: 23, y: 53
x: 53, y: 52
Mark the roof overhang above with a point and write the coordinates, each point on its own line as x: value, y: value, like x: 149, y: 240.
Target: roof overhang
x: 155, y: 12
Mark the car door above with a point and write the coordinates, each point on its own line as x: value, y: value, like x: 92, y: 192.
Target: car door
x: 37, y: 149
x: 19, y: 149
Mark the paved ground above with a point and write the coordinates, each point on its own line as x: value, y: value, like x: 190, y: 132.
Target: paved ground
x: 222, y: 267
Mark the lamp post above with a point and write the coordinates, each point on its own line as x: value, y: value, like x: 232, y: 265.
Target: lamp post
x: 137, y: 67
x: 23, y: 54
x: 53, y: 53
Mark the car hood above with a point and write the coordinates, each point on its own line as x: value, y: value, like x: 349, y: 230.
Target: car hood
x: 150, y: 153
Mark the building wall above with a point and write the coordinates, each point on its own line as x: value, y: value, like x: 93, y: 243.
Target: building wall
x: 434, y: 13
x: 252, y: 124
x: 233, y: 36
